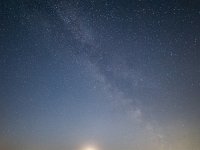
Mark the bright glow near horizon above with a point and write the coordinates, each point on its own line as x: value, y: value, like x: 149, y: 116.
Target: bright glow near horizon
x: 90, y: 147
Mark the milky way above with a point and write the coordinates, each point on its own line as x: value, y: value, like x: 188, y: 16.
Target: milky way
x: 116, y: 74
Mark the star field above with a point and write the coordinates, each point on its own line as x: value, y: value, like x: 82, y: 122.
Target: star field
x: 115, y: 74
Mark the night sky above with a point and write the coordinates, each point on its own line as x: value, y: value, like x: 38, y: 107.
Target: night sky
x: 114, y: 74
